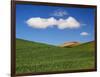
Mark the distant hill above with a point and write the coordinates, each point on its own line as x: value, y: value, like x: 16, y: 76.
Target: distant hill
x: 74, y: 43
x: 39, y: 57
x: 70, y: 44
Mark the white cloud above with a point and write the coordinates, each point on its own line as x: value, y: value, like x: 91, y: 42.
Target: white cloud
x: 84, y: 33
x: 70, y: 22
x: 43, y: 23
x: 59, y: 13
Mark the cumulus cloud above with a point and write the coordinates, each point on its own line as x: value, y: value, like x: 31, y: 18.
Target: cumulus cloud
x: 59, y: 13
x: 43, y: 23
x: 70, y: 22
x: 84, y: 33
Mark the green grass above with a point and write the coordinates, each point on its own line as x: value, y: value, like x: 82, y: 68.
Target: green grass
x: 39, y: 57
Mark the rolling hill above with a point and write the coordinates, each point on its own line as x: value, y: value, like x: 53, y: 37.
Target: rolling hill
x: 39, y: 57
x: 70, y: 44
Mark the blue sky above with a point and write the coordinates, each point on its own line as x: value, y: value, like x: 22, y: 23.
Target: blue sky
x: 77, y: 24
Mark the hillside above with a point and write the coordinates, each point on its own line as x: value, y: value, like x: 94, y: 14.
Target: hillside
x: 69, y: 44
x: 39, y: 57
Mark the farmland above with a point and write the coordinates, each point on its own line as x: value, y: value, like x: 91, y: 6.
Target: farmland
x: 39, y: 57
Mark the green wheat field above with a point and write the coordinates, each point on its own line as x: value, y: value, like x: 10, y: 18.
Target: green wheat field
x: 40, y: 57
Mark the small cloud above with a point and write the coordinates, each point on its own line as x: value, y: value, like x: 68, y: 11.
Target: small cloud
x: 84, y: 24
x: 43, y: 23
x: 84, y: 33
x: 59, y: 13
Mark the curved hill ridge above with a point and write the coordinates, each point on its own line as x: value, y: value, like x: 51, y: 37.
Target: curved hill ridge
x: 70, y: 44
x: 39, y: 57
